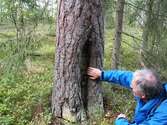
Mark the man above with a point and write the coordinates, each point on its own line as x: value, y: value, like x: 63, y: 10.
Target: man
x: 149, y: 93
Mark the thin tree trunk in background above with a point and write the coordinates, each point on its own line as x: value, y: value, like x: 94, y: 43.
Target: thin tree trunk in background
x: 148, y: 13
x: 145, y: 35
x: 118, y: 32
x: 75, y: 98
x: 146, y: 32
x: 152, y: 34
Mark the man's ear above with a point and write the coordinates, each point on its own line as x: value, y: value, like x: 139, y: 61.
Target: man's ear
x: 143, y: 97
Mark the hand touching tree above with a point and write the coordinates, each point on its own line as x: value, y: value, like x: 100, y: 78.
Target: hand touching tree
x: 94, y: 73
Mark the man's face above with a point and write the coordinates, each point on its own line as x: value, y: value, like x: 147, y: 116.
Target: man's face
x: 135, y: 86
x: 142, y: 77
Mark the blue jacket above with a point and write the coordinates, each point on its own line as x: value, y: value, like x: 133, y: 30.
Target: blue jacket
x: 153, y: 112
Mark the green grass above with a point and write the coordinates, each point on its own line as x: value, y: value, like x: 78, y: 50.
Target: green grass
x: 107, y: 48
x: 6, y: 32
x: 23, y: 92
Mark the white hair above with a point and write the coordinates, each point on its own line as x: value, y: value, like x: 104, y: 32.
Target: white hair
x: 148, y: 82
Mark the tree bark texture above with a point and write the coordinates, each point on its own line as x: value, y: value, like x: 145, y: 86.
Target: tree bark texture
x: 79, y: 45
x: 118, y: 32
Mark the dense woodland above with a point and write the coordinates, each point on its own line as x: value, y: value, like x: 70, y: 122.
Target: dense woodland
x: 111, y: 34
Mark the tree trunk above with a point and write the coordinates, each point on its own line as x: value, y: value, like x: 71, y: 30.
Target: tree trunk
x: 152, y: 32
x: 79, y: 44
x: 118, y: 32
x: 145, y: 34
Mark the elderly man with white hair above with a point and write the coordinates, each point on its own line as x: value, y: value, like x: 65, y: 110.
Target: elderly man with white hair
x: 149, y: 93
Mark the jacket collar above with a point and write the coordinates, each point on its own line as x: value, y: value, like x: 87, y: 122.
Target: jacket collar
x: 144, y: 109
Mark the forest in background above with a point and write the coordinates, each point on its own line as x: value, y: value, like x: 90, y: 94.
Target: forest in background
x: 27, y: 49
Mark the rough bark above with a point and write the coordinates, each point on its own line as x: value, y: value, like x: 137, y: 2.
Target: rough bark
x: 79, y: 45
x: 118, y: 32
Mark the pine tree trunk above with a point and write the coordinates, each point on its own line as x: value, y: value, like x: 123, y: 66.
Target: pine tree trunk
x: 118, y: 32
x: 79, y: 45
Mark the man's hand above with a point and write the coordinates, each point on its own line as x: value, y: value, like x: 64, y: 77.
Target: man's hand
x: 121, y: 116
x: 94, y: 73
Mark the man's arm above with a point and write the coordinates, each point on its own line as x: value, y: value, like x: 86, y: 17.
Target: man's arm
x: 122, y: 78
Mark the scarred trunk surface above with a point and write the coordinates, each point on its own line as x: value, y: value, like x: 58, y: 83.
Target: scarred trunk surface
x: 75, y: 98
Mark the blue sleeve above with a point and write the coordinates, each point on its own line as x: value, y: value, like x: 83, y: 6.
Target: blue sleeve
x: 123, y: 121
x: 122, y: 78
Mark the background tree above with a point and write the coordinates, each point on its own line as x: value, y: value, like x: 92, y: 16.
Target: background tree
x: 24, y: 36
x: 24, y: 16
x: 109, y: 13
x: 118, y: 32
x: 79, y: 45
x: 153, y: 35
